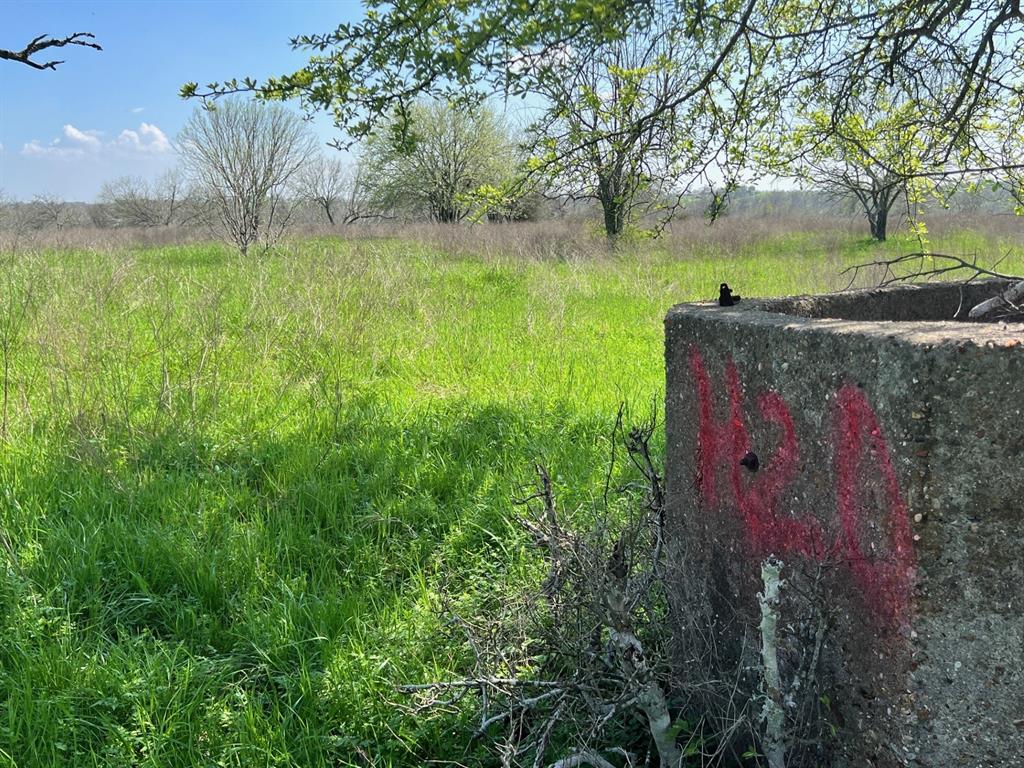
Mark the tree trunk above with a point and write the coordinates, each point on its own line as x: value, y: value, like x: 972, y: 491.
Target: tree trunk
x: 609, y: 193
x: 877, y: 202
x: 446, y: 214
x: 879, y: 221
x: 614, y: 218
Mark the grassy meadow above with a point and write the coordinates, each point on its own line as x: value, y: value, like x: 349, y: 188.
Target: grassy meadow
x: 234, y: 495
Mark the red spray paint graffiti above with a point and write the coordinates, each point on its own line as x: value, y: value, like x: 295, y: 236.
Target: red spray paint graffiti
x: 882, y: 568
x: 886, y: 577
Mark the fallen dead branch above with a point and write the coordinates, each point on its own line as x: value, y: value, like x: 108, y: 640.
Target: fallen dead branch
x: 924, y: 266
x: 1009, y: 302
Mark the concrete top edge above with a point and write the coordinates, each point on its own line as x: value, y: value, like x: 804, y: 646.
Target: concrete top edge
x: 917, y: 332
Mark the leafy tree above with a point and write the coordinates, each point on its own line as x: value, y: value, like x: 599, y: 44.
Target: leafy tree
x: 437, y: 168
x: 882, y: 150
x: 243, y: 157
x: 875, y: 155
x: 1007, y: 136
x: 594, y: 142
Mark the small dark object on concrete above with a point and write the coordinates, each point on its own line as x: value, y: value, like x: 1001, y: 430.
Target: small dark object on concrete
x: 725, y: 296
x: 750, y: 461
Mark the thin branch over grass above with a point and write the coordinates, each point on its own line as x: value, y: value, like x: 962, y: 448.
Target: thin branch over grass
x: 941, y: 264
x: 931, y: 266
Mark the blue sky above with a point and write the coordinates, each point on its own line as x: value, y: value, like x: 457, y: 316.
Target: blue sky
x: 116, y: 112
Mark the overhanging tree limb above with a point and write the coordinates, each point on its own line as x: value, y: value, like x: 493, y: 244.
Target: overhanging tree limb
x: 961, y: 58
x: 45, y: 42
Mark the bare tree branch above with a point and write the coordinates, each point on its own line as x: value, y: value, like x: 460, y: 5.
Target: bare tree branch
x: 910, y: 267
x: 44, y: 42
x: 923, y: 266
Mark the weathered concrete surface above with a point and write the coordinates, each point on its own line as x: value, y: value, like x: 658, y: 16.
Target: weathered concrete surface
x: 892, y: 464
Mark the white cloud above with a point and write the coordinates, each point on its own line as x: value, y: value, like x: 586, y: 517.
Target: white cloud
x: 35, y: 148
x: 136, y: 110
x: 148, y: 139
x: 88, y: 139
x: 1, y: 146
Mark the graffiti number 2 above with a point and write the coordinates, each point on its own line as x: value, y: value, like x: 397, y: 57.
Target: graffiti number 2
x: 871, y: 529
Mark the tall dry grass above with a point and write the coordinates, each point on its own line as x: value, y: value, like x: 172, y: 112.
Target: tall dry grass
x: 574, y: 239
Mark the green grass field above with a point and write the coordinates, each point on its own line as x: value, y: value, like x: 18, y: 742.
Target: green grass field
x: 233, y: 494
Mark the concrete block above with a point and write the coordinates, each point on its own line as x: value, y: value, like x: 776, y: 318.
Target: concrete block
x: 890, y: 463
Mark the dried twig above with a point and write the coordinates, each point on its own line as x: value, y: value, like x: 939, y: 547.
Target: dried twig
x: 772, y: 713
x: 586, y: 757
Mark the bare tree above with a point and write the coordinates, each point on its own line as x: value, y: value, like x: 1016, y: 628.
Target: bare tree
x: 244, y: 157
x: 128, y: 202
x: 171, y: 189
x: 45, y: 42
x: 324, y: 184
x: 131, y: 201
x: 7, y: 208
x: 13, y: 221
x: 358, y: 204
x: 51, y: 212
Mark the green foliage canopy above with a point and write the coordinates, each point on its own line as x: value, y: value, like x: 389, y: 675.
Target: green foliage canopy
x: 957, y: 56
x: 452, y: 157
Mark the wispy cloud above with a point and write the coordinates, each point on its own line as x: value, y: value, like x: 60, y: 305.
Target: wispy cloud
x: 137, y: 110
x: 56, y: 148
x: 74, y: 142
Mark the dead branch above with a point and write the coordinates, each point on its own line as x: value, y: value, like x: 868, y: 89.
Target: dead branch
x: 911, y: 267
x: 582, y: 670
x: 587, y: 757
x: 1009, y: 300
x: 772, y: 713
x: 443, y: 685
x: 927, y: 266
x: 44, y: 42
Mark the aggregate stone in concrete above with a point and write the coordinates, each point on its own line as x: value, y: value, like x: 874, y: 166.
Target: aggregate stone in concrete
x: 890, y: 445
